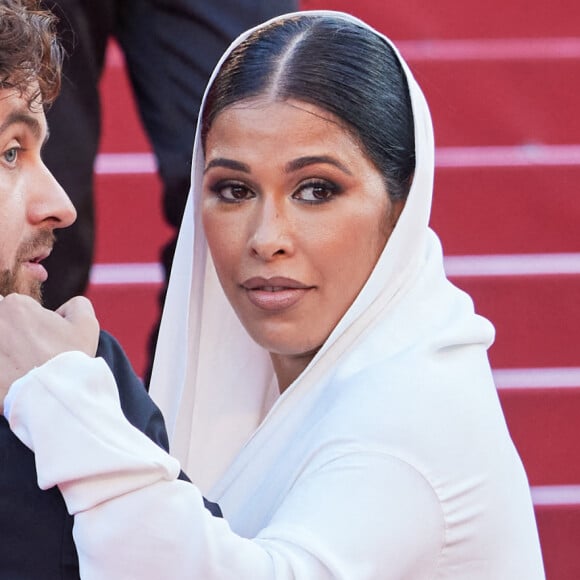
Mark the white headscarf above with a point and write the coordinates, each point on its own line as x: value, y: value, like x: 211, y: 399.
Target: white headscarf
x: 216, y: 387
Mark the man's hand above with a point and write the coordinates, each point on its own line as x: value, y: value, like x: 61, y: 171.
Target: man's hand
x: 30, y: 335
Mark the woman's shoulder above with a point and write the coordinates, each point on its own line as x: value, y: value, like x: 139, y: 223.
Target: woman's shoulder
x: 443, y: 420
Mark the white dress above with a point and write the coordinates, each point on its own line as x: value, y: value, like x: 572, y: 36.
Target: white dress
x: 388, y: 458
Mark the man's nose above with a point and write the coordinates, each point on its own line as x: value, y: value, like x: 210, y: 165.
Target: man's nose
x: 49, y: 203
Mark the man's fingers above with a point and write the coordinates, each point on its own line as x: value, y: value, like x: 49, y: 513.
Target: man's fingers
x: 77, y: 308
x: 80, y: 314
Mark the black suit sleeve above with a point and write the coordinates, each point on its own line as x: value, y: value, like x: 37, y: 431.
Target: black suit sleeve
x: 136, y: 403
x: 137, y: 406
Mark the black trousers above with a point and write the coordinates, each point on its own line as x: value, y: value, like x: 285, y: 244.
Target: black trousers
x: 171, y: 47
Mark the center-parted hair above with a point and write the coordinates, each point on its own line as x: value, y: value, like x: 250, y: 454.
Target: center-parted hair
x: 337, y: 65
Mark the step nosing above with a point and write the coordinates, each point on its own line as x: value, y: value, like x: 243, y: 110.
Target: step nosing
x: 492, y: 265
x: 137, y: 163
x: 555, y: 495
x: 127, y: 273
x: 491, y: 49
x: 468, y: 266
x: 537, y: 378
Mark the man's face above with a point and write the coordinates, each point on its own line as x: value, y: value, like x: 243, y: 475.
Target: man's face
x: 32, y: 203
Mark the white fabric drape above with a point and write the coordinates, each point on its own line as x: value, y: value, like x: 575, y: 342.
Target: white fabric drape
x: 209, y: 377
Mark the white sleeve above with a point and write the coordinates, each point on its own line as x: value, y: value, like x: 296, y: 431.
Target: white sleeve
x: 134, y: 519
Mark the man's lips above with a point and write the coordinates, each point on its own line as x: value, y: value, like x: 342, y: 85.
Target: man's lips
x: 33, y: 264
x: 37, y: 258
x: 273, y: 294
x: 35, y: 253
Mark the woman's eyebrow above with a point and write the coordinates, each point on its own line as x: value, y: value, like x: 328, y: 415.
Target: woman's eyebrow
x: 301, y: 162
x: 228, y: 164
x: 291, y: 166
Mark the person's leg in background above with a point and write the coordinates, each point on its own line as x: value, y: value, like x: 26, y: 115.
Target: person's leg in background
x: 74, y: 122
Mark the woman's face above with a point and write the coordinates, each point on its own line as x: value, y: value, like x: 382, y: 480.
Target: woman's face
x: 296, y: 216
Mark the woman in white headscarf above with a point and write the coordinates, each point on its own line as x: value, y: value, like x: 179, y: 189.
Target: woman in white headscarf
x: 321, y: 379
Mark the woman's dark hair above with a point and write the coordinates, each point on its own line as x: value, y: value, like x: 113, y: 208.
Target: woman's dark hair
x: 29, y: 49
x: 337, y: 65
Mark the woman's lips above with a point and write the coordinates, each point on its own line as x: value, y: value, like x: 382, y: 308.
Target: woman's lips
x: 275, y: 294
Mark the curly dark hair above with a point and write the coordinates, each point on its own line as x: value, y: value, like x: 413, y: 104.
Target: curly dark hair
x: 29, y: 49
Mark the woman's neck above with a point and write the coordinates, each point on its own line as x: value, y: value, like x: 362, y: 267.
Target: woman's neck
x: 288, y: 368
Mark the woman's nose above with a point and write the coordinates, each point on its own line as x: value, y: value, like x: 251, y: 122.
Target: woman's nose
x: 271, y: 235
x: 49, y: 203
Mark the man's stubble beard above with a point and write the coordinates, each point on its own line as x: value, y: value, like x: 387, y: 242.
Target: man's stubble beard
x: 10, y: 281
x: 9, y: 284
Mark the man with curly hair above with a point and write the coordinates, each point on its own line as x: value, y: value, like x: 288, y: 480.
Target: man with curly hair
x: 35, y: 529
x: 32, y: 203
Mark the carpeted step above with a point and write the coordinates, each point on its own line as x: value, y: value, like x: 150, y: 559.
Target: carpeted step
x: 537, y: 318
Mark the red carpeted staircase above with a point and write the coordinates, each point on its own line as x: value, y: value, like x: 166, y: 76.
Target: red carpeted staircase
x: 502, y: 79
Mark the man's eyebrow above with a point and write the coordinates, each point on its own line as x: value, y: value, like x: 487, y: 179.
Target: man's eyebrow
x: 301, y: 162
x: 228, y: 164
x: 23, y: 118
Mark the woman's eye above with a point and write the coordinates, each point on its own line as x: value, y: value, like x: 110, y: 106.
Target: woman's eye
x: 11, y: 155
x: 316, y: 192
x: 232, y: 192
